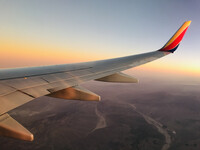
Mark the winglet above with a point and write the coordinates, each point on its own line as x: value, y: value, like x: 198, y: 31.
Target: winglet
x: 175, y: 40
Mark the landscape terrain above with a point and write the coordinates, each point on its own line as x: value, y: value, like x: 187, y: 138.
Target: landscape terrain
x: 145, y: 116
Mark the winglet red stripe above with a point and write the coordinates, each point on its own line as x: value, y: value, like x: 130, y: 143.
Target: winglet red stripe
x: 176, y: 41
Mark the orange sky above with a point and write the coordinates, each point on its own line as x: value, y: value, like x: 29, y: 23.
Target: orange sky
x: 20, y: 53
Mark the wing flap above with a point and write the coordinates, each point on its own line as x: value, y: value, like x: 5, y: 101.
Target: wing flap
x: 26, y: 82
x: 57, y: 77
x: 13, y: 100
x: 6, y: 90
x: 37, y: 91
x: 11, y: 128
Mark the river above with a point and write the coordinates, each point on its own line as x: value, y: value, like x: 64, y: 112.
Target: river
x: 101, y: 123
x: 159, y: 127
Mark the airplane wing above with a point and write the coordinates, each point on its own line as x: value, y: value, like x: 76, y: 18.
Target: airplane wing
x: 21, y: 85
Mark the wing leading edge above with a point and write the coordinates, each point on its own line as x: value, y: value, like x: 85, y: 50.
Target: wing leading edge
x: 21, y: 85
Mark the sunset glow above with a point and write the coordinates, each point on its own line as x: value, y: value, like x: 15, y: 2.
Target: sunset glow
x: 64, y: 32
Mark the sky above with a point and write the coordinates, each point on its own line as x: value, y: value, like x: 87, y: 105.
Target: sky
x: 48, y: 32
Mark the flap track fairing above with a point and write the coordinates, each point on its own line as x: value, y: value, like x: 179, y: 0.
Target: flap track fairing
x: 75, y: 93
x: 119, y: 78
x: 11, y: 128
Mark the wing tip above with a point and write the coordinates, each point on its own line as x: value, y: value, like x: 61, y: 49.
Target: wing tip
x: 188, y: 22
x: 175, y: 40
